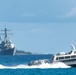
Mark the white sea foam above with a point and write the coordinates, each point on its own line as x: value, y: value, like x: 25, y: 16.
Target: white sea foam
x: 42, y: 66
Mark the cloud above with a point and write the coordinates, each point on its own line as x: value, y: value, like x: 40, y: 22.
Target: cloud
x: 71, y: 13
x: 28, y: 14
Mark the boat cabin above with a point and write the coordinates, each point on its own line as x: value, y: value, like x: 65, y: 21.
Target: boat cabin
x: 65, y: 56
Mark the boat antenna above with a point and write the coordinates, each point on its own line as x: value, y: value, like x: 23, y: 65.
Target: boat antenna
x: 5, y: 33
x: 72, y: 46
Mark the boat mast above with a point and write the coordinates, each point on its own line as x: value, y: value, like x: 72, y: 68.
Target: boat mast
x: 72, y: 46
x: 5, y: 34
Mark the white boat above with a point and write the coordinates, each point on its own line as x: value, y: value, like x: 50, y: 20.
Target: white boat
x: 67, y: 58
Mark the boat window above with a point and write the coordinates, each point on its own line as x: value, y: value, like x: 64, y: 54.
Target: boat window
x: 73, y: 56
x: 56, y: 58
x: 61, y: 57
x: 74, y: 52
x: 67, y: 57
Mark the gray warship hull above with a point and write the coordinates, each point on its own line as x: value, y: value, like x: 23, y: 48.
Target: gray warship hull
x: 8, y: 52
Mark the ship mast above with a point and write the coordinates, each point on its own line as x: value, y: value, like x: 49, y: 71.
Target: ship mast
x: 5, y: 34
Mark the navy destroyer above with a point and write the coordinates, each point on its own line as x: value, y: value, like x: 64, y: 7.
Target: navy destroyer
x: 6, y: 45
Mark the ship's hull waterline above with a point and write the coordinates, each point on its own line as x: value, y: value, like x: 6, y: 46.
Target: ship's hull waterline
x: 8, y: 52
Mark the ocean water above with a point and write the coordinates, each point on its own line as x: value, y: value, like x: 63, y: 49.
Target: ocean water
x: 17, y: 65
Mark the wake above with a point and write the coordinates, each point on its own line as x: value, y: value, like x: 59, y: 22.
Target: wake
x: 41, y: 66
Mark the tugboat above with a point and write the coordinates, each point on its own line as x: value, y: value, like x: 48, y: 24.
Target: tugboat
x: 6, y: 45
x: 66, y: 58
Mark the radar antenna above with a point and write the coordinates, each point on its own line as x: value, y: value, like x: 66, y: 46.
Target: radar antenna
x: 5, y: 33
x: 72, y: 46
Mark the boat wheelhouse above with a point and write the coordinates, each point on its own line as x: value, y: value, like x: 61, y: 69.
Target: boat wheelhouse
x: 67, y: 58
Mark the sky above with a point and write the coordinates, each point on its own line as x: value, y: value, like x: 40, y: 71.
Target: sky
x: 40, y: 26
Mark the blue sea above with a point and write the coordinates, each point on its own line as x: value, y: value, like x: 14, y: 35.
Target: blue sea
x: 17, y: 65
